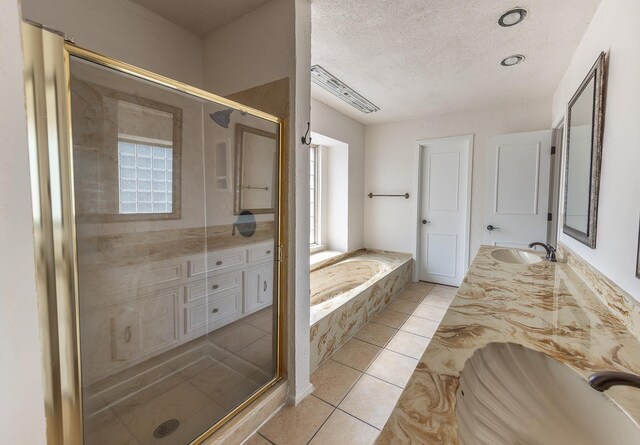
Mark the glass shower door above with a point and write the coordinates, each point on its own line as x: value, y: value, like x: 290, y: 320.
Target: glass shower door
x: 176, y: 204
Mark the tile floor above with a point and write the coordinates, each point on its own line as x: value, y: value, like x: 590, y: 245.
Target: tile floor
x: 196, y: 383
x: 358, y: 386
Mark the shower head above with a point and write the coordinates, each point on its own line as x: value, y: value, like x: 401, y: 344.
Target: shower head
x: 222, y: 117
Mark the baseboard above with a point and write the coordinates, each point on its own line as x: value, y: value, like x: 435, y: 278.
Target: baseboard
x: 294, y: 400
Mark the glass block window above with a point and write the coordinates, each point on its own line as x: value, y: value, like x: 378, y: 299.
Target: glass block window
x: 145, y: 178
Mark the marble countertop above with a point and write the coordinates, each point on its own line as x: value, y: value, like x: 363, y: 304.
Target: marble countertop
x: 110, y: 253
x: 544, y: 307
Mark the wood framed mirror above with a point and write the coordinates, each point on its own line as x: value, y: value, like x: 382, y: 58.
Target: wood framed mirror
x: 585, y: 124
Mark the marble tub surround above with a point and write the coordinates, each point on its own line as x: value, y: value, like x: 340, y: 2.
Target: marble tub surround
x: 128, y: 248
x: 340, y: 278
x: 324, y: 257
x: 356, y: 389
x: 619, y: 302
x: 336, y: 320
x: 343, y: 267
x: 544, y: 307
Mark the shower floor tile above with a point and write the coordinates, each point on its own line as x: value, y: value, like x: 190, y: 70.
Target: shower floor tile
x: 196, y: 383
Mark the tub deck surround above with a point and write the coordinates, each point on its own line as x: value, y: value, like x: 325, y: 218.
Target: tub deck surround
x: 350, y: 290
x: 544, y: 307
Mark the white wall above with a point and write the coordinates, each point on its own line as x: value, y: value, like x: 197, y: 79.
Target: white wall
x: 21, y: 379
x: 126, y: 31
x: 335, y: 125
x: 300, y: 310
x: 253, y: 50
x: 390, y: 159
x: 615, y: 28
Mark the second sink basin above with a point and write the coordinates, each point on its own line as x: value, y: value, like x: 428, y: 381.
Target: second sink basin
x: 515, y: 256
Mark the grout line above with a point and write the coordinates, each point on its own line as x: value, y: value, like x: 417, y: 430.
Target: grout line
x: 391, y: 383
x: 325, y: 420
x: 357, y: 418
x: 258, y: 433
x: 349, y: 366
x: 373, y: 344
x: 405, y: 355
x: 349, y: 390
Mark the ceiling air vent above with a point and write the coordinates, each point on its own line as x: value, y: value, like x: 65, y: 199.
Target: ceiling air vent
x: 338, y: 88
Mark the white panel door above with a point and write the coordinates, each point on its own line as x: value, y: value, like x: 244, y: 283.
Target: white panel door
x: 444, y: 212
x: 517, y: 189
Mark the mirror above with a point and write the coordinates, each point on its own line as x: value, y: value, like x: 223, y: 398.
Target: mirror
x: 255, y: 185
x: 585, y: 121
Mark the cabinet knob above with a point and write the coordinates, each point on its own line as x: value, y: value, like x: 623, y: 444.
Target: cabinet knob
x: 215, y: 286
x: 214, y: 310
x: 218, y: 263
x: 268, y: 252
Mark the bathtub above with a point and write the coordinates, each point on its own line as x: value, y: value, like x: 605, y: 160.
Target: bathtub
x: 347, y: 291
x: 337, y: 281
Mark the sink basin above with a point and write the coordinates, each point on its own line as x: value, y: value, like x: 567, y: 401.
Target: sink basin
x: 515, y: 395
x: 515, y: 256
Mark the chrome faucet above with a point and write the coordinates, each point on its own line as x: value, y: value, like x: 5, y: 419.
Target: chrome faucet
x: 601, y: 381
x: 551, y: 251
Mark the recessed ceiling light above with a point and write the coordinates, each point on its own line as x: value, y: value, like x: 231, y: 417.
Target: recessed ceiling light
x: 512, y: 60
x: 512, y: 17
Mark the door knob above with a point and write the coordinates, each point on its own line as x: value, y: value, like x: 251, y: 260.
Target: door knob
x: 491, y: 228
x: 424, y: 221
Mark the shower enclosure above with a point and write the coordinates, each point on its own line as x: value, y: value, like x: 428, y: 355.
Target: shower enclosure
x: 158, y: 236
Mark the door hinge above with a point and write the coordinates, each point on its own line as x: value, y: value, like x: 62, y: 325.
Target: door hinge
x: 278, y: 253
x: 553, y: 150
x: 549, y: 216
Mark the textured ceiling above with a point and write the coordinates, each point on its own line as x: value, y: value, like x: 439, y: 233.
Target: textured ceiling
x: 201, y: 17
x: 429, y: 57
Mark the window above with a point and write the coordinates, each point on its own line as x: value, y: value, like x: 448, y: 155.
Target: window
x: 313, y: 198
x: 145, y: 178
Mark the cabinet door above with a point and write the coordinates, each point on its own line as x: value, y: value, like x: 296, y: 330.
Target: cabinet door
x: 126, y: 333
x: 258, y: 289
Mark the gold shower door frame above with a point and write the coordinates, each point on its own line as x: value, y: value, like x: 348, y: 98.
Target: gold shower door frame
x: 48, y: 103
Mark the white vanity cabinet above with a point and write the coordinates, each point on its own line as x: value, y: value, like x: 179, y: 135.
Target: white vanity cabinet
x: 258, y: 288
x: 230, y: 284
x: 137, y: 312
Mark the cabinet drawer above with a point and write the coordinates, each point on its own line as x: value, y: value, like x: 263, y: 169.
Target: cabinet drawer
x: 122, y: 283
x: 260, y: 253
x: 212, y: 286
x: 212, y: 313
x: 216, y: 261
